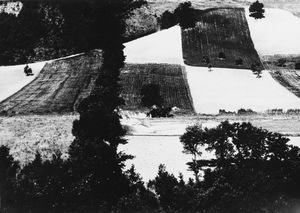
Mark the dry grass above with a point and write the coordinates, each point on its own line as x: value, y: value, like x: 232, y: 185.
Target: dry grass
x: 220, y: 30
x: 171, y: 79
x: 26, y: 135
x: 49, y: 133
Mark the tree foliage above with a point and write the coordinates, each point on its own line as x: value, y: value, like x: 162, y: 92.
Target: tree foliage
x: 185, y: 15
x: 253, y: 169
x: 151, y: 95
x: 257, y: 10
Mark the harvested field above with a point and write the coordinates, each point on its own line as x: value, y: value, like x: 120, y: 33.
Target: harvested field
x: 286, y: 76
x: 58, y: 88
x: 223, y: 30
x: 171, y: 79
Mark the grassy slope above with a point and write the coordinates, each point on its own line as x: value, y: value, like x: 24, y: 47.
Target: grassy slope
x: 171, y: 79
x: 220, y: 30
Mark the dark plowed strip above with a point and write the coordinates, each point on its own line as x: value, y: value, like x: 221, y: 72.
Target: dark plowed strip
x: 58, y: 87
x: 171, y: 79
x: 220, y: 30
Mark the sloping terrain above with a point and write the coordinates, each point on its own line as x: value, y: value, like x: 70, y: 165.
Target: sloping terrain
x: 171, y: 79
x: 220, y: 31
x: 63, y: 83
x: 58, y: 88
x: 286, y: 75
x: 13, y: 78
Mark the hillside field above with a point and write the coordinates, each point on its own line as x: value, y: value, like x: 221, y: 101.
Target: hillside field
x: 171, y: 79
x: 223, y: 30
x: 58, y: 88
x: 286, y: 75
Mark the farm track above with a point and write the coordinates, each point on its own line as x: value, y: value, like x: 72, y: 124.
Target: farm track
x: 220, y: 30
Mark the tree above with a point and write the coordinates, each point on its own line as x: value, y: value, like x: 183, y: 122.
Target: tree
x: 253, y: 169
x: 239, y: 61
x: 222, y: 56
x: 8, y: 170
x: 297, y: 66
x: 256, y: 69
x: 257, y: 10
x: 43, y: 186
x: 193, y: 140
x: 151, y: 95
x: 96, y: 163
x: 185, y: 15
x: 167, y: 20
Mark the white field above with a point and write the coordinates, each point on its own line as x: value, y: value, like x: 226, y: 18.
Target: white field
x: 277, y: 33
x: 229, y: 89
x: 154, y: 143
x: 151, y: 151
x: 13, y: 78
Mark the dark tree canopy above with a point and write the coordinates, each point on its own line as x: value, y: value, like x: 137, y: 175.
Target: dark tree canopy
x: 151, y: 95
x: 257, y: 10
x: 297, y: 65
x: 185, y: 15
x: 50, y: 29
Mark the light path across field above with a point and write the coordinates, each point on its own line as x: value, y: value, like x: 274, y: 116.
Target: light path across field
x: 277, y: 33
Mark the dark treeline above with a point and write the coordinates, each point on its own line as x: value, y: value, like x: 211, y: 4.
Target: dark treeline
x: 49, y: 29
x: 254, y: 171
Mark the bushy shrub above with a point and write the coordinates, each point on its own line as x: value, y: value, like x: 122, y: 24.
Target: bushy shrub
x: 185, y: 15
x: 222, y: 55
x: 167, y: 20
x: 239, y: 61
x: 151, y: 95
x: 297, y: 66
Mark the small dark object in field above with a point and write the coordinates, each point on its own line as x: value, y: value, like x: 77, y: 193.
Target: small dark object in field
x: 256, y: 69
x: 222, y: 56
x: 297, y: 66
x: 151, y: 95
x: 158, y: 112
x: 209, y: 67
x: 281, y: 62
x: 205, y: 59
x: 28, y: 70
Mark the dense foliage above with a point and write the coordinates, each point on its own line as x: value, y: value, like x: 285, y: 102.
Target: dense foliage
x: 50, y: 29
x: 151, y: 95
x: 252, y: 171
x: 184, y: 15
x: 257, y: 10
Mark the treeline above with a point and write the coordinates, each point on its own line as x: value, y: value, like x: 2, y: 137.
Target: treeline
x: 253, y: 171
x: 50, y: 29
